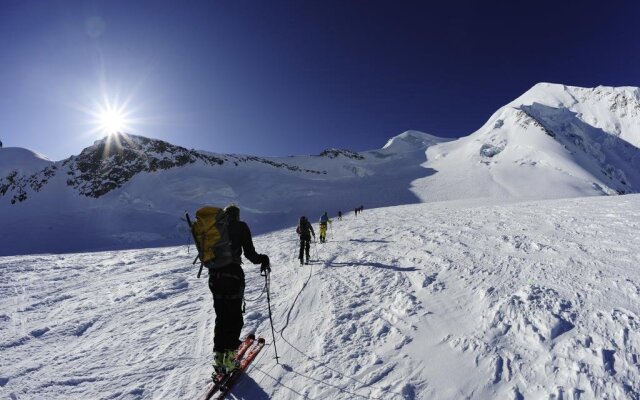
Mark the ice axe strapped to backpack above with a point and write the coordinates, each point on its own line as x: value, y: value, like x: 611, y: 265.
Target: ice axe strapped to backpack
x: 210, y: 233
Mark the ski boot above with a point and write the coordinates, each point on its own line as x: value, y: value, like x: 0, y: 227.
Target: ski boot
x: 218, y: 362
x: 229, y: 361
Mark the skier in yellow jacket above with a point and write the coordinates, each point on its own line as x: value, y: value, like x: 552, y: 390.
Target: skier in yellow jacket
x: 324, y: 220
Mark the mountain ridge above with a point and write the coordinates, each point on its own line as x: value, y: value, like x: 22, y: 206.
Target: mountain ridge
x: 554, y: 141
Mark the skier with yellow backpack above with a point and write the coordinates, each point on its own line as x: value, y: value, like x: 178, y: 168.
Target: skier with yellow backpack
x: 221, y: 238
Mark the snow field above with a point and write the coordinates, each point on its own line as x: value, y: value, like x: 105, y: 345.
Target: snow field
x: 427, y: 301
x: 530, y: 300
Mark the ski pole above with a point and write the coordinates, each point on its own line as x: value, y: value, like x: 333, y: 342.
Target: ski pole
x: 196, y: 243
x: 297, y: 249
x: 273, y: 334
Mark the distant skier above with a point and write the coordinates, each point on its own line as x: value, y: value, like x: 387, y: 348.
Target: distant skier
x: 355, y: 211
x: 227, y: 286
x: 339, y: 215
x: 324, y: 220
x: 0, y: 144
x: 305, y: 230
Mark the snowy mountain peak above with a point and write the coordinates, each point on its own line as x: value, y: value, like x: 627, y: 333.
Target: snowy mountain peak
x: 114, y: 160
x: 22, y: 160
x: 566, y: 96
x: 615, y: 110
x: 412, y: 140
x: 17, y: 154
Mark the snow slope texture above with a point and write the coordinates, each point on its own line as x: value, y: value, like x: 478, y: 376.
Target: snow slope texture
x: 428, y: 301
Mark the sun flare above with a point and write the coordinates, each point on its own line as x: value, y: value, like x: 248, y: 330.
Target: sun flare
x: 110, y: 117
x: 112, y: 121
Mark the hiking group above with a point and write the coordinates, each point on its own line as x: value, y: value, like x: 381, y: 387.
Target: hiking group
x: 221, y: 238
x: 305, y: 232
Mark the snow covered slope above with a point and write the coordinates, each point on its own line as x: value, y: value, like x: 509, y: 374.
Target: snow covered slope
x: 428, y: 301
x: 554, y: 141
x: 21, y: 160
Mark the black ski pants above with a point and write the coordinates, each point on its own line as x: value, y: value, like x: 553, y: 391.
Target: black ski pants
x: 305, y: 244
x: 227, y: 286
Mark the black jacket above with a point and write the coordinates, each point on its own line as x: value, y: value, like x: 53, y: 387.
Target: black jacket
x: 240, y: 237
x: 305, y: 230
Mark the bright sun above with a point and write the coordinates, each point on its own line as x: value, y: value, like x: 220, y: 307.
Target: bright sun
x: 112, y: 121
x: 111, y: 116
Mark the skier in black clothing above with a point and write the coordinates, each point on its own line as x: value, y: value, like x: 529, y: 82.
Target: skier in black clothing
x: 305, y: 230
x: 227, y: 286
x: 339, y: 215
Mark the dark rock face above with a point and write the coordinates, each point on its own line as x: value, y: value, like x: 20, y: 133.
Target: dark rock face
x: 18, y: 184
x: 108, y: 164
x: 333, y: 153
x: 294, y: 168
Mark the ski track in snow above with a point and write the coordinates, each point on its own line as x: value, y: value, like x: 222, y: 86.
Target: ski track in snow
x: 427, y: 301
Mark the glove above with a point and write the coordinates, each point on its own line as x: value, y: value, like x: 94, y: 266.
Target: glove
x: 265, y: 265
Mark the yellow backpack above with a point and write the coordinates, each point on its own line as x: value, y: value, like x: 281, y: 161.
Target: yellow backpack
x: 210, y: 232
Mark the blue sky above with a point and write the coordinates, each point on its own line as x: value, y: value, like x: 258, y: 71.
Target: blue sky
x: 293, y: 77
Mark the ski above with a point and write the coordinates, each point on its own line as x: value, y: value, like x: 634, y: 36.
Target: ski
x: 217, y: 378
x: 226, y: 385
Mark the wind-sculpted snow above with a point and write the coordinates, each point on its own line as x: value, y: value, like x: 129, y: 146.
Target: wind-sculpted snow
x: 428, y: 301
